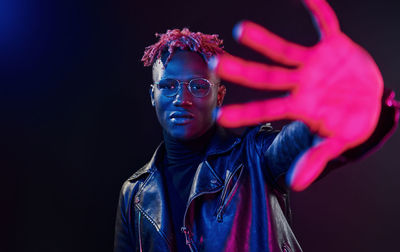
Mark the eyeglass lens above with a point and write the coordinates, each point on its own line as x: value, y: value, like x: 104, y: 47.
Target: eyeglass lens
x: 197, y: 87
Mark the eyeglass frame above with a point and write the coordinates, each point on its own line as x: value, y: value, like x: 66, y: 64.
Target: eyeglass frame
x: 188, y: 84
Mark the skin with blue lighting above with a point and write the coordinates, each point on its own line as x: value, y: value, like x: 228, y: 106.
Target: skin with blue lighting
x: 184, y: 116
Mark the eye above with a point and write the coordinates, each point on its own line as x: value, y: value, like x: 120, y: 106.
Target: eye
x: 167, y: 84
x: 199, y: 84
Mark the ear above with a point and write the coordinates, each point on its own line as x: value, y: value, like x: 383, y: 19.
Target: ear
x: 221, y: 95
x: 152, y: 96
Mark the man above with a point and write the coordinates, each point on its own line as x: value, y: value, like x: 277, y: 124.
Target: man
x: 207, y: 190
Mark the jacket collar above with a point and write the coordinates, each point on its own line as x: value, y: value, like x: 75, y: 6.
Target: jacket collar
x: 150, y: 198
x: 150, y: 166
x: 222, y: 142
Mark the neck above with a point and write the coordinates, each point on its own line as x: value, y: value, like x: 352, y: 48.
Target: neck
x: 177, y: 149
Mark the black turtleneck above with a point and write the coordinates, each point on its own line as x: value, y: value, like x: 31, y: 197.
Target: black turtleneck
x: 180, y: 164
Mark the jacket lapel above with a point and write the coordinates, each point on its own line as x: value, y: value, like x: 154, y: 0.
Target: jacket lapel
x: 152, y: 197
x: 206, y: 179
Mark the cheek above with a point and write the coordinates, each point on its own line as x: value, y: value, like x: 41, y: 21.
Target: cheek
x: 160, y: 105
x: 207, y: 107
x: 212, y: 102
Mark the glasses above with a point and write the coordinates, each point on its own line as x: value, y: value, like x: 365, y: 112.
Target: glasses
x: 198, y: 87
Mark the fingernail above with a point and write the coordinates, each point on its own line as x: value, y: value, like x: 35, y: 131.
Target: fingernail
x: 212, y: 63
x: 237, y: 30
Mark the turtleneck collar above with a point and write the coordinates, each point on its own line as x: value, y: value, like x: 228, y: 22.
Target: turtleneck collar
x: 178, y: 151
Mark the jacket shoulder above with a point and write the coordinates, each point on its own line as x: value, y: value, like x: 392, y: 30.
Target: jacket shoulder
x: 260, y: 137
x: 131, y: 185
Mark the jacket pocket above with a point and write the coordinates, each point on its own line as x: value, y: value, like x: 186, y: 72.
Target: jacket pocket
x: 230, y: 186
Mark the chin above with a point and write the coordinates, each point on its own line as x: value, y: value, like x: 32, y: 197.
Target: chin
x: 183, y: 136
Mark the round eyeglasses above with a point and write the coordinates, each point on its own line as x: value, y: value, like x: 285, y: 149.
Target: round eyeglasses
x: 198, y: 87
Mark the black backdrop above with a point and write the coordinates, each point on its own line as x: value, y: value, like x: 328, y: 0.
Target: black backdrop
x: 76, y: 119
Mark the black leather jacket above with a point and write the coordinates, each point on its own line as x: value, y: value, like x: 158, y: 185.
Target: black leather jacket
x: 235, y: 203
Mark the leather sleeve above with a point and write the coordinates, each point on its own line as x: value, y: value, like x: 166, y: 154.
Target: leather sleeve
x: 293, y: 139
x: 124, y: 239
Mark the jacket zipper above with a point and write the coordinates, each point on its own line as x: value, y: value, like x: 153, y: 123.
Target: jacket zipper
x: 185, y: 230
x: 221, y: 208
x: 140, y: 236
x: 219, y: 217
x: 188, y: 238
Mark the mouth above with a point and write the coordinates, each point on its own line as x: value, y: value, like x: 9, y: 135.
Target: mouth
x: 178, y: 117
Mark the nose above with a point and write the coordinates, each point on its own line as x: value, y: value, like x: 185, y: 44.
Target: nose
x: 183, y: 96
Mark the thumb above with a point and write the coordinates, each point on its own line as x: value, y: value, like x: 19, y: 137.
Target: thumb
x: 310, y: 164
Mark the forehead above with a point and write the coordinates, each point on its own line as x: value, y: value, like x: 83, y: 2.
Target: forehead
x: 184, y: 65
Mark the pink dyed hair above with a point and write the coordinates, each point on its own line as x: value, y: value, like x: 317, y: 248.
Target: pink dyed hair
x: 204, y: 44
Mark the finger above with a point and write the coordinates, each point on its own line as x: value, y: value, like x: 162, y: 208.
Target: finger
x: 311, y: 163
x: 252, y: 113
x: 390, y: 101
x: 269, y: 44
x: 324, y: 17
x: 255, y: 75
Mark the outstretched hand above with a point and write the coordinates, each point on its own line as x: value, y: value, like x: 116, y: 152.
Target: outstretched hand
x: 335, y: 89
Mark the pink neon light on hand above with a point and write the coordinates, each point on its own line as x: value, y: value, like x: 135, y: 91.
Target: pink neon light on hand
x: 336, y: 89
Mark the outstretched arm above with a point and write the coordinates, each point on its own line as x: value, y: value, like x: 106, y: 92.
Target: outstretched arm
x: 335, y: 89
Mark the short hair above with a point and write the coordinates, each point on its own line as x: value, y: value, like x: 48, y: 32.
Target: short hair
x: 205, y: 44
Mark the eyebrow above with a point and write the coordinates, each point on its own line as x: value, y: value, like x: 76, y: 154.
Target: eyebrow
x: 186, y: 79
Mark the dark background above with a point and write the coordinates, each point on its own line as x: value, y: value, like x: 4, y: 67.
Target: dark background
x: 76, y: 119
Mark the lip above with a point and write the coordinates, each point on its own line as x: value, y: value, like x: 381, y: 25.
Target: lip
x: 181, y: 114
x: 181, y: 117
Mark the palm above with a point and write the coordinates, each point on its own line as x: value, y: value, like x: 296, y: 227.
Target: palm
x: 335, y: 89
x: 339, y: 91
